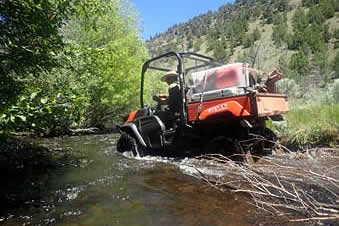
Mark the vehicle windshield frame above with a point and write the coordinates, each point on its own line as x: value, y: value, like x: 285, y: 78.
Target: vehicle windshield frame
x: 204, y: 61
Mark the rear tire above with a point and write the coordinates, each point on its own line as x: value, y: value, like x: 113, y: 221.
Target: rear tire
x: 128, y: 143
x: 265, y: 143
x: 271, y: 140
x: 224, y: 146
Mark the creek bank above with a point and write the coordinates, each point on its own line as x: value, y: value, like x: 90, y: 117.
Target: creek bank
x: 301, y: 187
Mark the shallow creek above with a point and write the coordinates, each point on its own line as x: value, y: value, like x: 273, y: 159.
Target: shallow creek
x: 108, y: 188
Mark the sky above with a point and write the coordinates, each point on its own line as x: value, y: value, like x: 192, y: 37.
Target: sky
x: 157, y: 16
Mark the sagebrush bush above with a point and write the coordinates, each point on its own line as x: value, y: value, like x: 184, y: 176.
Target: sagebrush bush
x: 316, y: 95
x: 289, y: 87
x: 333, y: 92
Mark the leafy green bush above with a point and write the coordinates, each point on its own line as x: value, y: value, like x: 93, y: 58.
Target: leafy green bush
x: 109, y: 54
x: 95, y: 76
x: 39, y: 113
x: 29, y: 41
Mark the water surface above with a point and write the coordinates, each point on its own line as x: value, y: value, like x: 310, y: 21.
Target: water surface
x: 107, y: 188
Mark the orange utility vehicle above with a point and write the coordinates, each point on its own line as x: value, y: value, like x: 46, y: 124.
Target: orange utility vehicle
x: 211, y: 108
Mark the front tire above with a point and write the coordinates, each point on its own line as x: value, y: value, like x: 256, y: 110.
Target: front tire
x: 128, y: 143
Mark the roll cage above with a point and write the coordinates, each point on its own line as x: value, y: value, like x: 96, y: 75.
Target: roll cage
x: 201, y: 62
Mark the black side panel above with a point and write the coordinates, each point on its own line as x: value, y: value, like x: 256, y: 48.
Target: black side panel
x: 143, y: 112
x: 151, y: 129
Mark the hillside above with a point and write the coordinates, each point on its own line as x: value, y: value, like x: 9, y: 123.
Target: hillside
x: 299, y: 37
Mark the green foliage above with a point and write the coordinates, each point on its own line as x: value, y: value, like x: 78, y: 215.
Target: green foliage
x: 247, y: 40
x: 268, y: 14
x: 311, y: 125
x: 109, y: 54
x: 239, y: 27
x: 315, y: 15
x: 285, y: 69
x: 35, y: 111
x: 280, y: 30
x: 299, y: 62
x: 95, y: 75
x: 219, y: 50
x: 327, y: 8
x: 282, y: 5
x: 309, y: 29
x: 300, y: 24
x: 289, y: 87
x: 153, y: 86
x: 211, y: 40
x: 29, y: 41
x: 310, y: 3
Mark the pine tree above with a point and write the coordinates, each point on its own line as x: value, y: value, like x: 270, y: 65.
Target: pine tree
x: 327, y: 8
x: 219, y: 51
x: 315, y: 15
x: 268, y: 14
x: 282, y: 5
x: 310, y: 3
x: 300, y: 25
x: 280, y: 29
x: 299, y: 62
x: 299, y: 21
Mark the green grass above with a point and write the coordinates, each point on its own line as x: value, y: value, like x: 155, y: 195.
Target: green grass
x: 310, y: 125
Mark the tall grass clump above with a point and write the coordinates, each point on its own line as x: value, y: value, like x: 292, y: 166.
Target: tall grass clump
x: 313, y: 119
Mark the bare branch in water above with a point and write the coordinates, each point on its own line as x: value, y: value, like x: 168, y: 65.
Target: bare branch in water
x: 300, y: 184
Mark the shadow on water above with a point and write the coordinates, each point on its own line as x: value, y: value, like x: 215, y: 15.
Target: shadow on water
x: 98, y: 186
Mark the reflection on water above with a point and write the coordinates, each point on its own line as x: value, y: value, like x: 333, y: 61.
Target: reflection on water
x: 111, y: 189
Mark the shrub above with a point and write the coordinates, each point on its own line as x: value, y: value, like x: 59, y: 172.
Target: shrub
x: 310, y: 125
x: 334, y: 91
x: 289, y: 87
